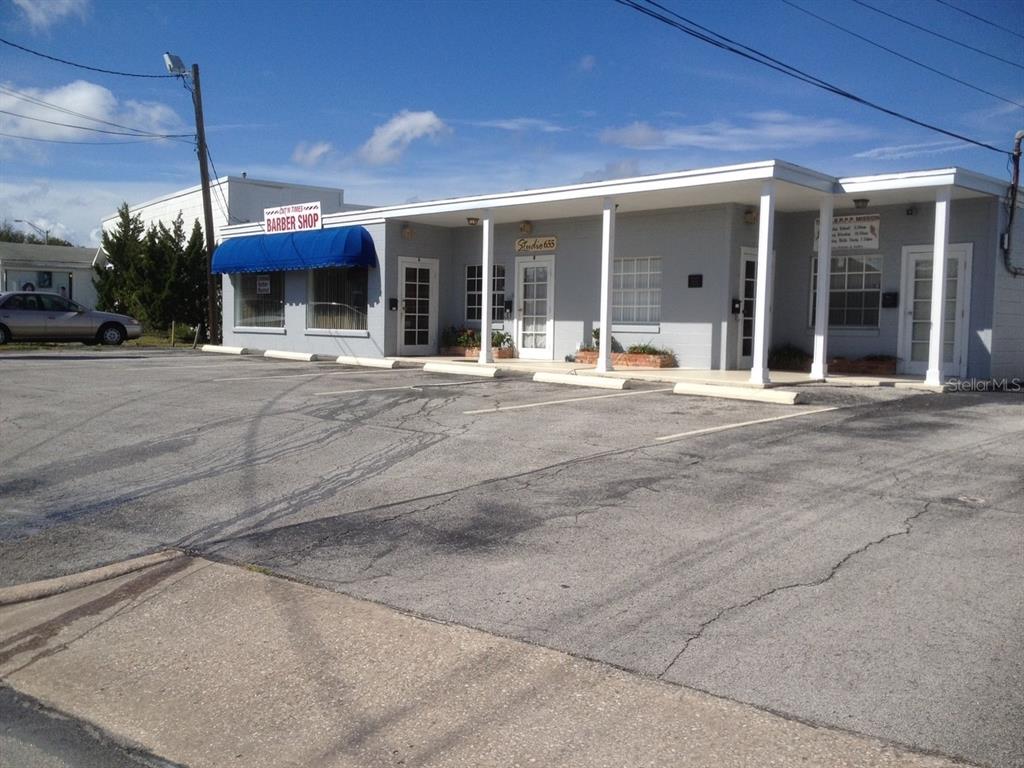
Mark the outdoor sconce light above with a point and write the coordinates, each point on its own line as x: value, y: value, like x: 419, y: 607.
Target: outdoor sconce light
x: 860, y: 202
x: 749, y: 216
x: 407, y: 231
x: 472, y: 220
x: 526, y: 228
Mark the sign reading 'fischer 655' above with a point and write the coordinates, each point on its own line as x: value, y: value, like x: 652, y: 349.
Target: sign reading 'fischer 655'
x: 292, y: 218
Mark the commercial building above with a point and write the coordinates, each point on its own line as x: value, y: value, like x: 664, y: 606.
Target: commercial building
x: 719, y: 265
x: 234, y: 200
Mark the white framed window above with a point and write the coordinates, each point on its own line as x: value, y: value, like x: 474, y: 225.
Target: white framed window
x: 337, y: 299
x: 474, y: 291
x: 636, y: 290
x: 855, y: 291
x: 259, y: 299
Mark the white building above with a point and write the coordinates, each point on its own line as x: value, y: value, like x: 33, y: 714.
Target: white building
x: 57, y: 268
x: 234, y: 200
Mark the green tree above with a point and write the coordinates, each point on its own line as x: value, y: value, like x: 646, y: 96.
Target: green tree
x: 189, y: 277
x: 117, y: 281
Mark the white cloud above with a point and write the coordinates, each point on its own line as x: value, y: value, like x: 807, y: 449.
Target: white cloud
x: 391, y: 139
x: 308, y: 155
x: 913, y: 150
x: 36, y: 121
x: 763, y: 130
x: 587, y: 63
x: 520, y: 124
x: 619, y: 169
x: 73, y: 209
x: 44, y: 13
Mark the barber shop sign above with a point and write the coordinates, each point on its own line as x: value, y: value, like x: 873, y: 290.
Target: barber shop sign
x: 297, y: 217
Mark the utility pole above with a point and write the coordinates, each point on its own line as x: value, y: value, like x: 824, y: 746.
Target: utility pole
x: 204, y: 176
x: 44, y: 232
x: 176, y: 67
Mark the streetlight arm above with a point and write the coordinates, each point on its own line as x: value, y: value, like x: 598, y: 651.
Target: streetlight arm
x: 44, y: 232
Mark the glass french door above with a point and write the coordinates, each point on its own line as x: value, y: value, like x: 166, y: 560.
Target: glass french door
x: 916, y: 304
x: 747, y: 292
x: 417, y: 307
x: 535, y: 281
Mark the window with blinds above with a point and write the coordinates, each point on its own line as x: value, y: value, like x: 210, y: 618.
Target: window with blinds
x: 259, y: 300
x: 337, y: 299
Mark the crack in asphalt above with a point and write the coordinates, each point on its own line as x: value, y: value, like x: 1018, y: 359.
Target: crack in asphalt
x: 907, y: 528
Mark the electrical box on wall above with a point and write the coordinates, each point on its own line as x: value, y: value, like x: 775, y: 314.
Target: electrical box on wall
x: 695, y: 281
x: 393, y: 305
x: 890, y: 300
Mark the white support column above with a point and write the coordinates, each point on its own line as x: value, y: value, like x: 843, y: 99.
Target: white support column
x: 819, y: 368
x: 938, y: 317
x: 763, y: 293
x: 487, y: 259
x: 604, y: 352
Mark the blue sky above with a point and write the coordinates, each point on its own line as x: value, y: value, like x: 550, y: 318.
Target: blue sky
x: 395, y: 101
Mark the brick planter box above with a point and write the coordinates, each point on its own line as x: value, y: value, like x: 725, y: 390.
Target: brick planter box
x: 628, y: 359
x: 863, y: 367
x: 498, y: 353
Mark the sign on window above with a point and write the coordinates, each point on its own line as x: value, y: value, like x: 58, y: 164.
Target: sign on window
x: 262, y: 285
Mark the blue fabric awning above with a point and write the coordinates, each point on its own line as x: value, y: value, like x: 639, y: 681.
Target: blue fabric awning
x: 337, y: 247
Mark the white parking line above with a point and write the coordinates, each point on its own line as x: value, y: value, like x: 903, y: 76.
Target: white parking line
x: 737, y: 425
x: 407, y: 386
x: 219, y: 364
x: 322, y: 373
x: 499, y: 408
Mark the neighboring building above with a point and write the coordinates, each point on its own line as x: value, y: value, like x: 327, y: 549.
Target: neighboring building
x: 57, y: 268
x: 719, y: 265
x: 233, y: 200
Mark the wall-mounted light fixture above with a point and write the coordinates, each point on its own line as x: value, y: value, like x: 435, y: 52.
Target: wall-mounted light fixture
x: 749, y: 216
x: 525, y: 227
x: 472, y: 220
x: 407, y: 231
x: 911, y: 210
x: 860, y: 202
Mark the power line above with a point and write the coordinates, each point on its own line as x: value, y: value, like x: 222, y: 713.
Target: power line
x: 980, y: 18
x: 39, y: 102
x: 89, y: 143
x: 711, y: 37
x: 952, y: 40
x: 80, y: 66
x: 220, y: 190
x: 902, y: 56
x: 97, y: 130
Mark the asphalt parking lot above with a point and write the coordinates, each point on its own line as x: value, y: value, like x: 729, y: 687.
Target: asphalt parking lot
x: 855, y: 562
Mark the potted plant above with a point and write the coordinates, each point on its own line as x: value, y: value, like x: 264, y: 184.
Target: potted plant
x: 465, y: 342
x: 644, y: 355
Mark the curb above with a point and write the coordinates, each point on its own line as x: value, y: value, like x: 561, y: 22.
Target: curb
x: 35, y: 590
x: 225, y: 350
x: 581, y: 380
x: 463, y: 369
x: 779, y: 396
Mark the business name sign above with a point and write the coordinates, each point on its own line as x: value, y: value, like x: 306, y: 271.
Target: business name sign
x: 536, y: 244
x: 297, y: 217
x: 851, y: 232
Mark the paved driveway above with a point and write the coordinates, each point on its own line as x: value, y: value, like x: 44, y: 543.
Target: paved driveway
x: 858, y: 567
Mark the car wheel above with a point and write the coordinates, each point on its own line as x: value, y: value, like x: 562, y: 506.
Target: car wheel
x: 111, y: 335
x: 5, y: 335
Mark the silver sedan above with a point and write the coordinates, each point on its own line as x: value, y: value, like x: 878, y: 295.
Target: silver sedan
x: 38, y: 316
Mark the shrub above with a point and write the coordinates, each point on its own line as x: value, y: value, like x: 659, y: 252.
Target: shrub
x: 501, y: 339
x: 789, y: 358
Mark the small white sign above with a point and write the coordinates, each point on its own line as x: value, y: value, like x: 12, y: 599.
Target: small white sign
x: 536, y: 244
x: 262, y: 285
x: 851, y: 232
x: 297, y: 217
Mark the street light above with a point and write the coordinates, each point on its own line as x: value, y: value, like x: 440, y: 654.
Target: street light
x: 44, y: 232
x: 175, y: 66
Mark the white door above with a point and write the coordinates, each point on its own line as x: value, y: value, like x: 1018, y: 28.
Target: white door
x: 417, y: 307
x: 747, y: 292
x: 535, y: 304
x: 916, y: 309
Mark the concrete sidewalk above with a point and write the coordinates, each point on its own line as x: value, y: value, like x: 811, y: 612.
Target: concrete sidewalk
x: 205, y: 664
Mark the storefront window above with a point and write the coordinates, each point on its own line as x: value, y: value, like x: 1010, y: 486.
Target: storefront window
x: 259, y: 300
x: 855, y: 291
x: 474, y: 292
x: 636, y: 290
x: 337, y: 299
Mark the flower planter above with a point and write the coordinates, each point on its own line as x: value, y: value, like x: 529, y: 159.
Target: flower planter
x: 628, y: 359
x: 498, y: 353
x: 885, y: 367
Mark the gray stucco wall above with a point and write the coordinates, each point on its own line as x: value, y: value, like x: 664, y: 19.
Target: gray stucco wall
x: 971, y: 221
x: 1008, y: 309
x: 427, y: 243
x: 689, y: 241
x: 294, y: 337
